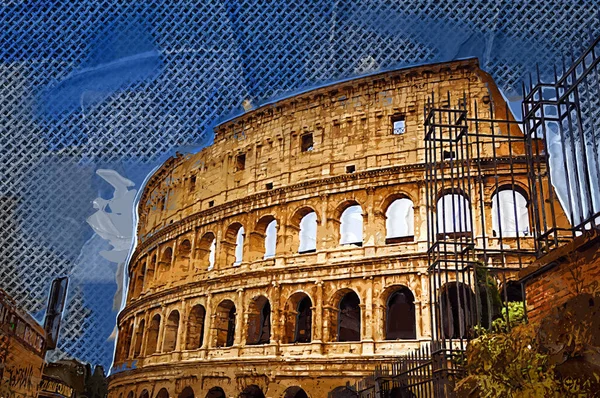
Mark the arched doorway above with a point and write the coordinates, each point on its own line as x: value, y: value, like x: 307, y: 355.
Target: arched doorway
x: 252, y: 391
x: 187, y: 392
x: 295, y: 392
x: 216, y: 392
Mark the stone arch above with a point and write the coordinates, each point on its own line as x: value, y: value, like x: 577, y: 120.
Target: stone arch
x: 510, y: 211
x: 184, y: 254
x: 252, y: 391
x: 303, y: 226
x: 144, y: 394
x: 187, y: 392
x: 295, y: 392
x: 171, y: 332
x: 259, y: 321
x: 150, y: 271
x: 152, y: 342
x: 131, y: 394
x: 195, y: 327
x: 162, y: 393
x: 399, y: 219
x: 349, y: 217
x: 456, y: 310
x: 207, y: 247
x: 344, y: 323
x: 139, y: 282
x: 166, y: 259
x: 139, y: 337
x: 399, y: 315
x: 216, y: 392
x: 264, y: 238
x: 225, y: 324
x: 127, y: 340
x: 233, y: 244
x: 298, y: 319
x: 453, y: 213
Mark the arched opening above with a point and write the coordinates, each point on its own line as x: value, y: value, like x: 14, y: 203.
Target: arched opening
x: 400, y: 321
x: 295, y: 392
x: 252, y: 391
x: 271, y: 239
x: 139, y: 337
x: 307, y: 234
x: 263, y: 239
x: 259, y: 321
x: 348, y: 324
x: 216, y: 392
x: 298, y: 319
x: 166, y: 259
x: 162, y: 393
x: 187, y: 392
x: 131, y: 394
x: 139, y: 283
x: 171, y: 331
x: 399, y: 221
x: 510, y: 216
x: 351, y: 226
x: 456, y: 310
x: 206, y: 250
x: 144, y: 394
x: 152, y: 343
x: 184, y: 251
x: 127, y: 341
x: 195, y: 334
x: 453, y: 211
x: 233, y: 244
x: 342, y: 392
x: 150, y: 272
x: 225, y: 324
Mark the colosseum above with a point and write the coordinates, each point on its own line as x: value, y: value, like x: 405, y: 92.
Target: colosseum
x: 289, y: 258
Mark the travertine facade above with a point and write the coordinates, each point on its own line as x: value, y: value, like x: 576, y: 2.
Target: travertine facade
x: 209, y: 315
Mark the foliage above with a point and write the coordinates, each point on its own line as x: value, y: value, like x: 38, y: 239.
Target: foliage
x: 556, y: 358
x: 512, y: 316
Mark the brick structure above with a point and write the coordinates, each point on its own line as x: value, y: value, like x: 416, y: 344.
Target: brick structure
x: 272, y: 263
x: 562, y: 274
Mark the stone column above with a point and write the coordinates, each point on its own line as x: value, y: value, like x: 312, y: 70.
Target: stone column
x: 208, y: 322
x: 370, y: 229
x: 276, y: 310
x: 144, y: 336
x: 239, y: 318
x: 369, y: 320
x: 324, y: 235
x: 161, y: 330
x: 182, y: 328
x: 318, y: 318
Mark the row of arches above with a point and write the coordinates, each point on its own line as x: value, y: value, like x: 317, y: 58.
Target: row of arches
x: 509, y: 216
x: 298, y: 323
x: 250, y: 391
x: 263, y: 239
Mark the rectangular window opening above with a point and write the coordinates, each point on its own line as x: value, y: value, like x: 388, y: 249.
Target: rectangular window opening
x: 211, y: 203
x: 398, y: 125
x: 240, y: 162
x: 192, y: 183
x: 269, y: 185
x: 307, y: 142
x: 351, y: 168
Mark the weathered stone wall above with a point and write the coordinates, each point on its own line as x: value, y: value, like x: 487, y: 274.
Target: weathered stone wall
x: 355, y: 160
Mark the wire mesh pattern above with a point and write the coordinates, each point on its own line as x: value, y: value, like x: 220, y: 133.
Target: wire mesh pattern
x: 121, y: 85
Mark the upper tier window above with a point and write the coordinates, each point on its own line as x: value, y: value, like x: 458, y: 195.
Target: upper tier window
x: 306, y: 142
x: 398, y: 125
x: 240, y: 162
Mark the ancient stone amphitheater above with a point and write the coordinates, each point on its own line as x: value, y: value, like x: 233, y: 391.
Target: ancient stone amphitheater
x: 288, y: 259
